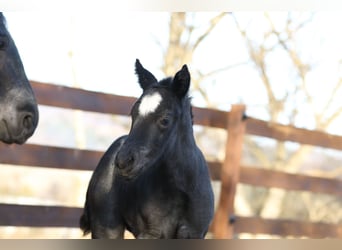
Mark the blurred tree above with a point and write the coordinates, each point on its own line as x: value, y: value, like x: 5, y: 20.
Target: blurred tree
x: 284, y: 39
x: 291, y: 104
x: 184, y: 38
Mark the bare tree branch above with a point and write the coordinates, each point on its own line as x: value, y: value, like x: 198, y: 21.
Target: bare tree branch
x: 257, y: 152
x: 302, y: 68
x: 216, y: 71
x: 332, y: 118
x: 213, y: 22
x: 257, y: 55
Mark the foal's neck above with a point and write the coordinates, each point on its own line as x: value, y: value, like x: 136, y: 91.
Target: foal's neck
x: 186, y: 125
x: 185, y: 144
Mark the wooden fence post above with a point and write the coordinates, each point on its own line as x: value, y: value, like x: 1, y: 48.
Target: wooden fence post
x: 222, y: 226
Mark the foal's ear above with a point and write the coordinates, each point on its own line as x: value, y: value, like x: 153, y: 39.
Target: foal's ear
x: 181, y: 82
x: 145, y: 77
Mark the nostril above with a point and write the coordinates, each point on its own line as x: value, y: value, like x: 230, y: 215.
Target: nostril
x: 130, y: 160
x: 28, y: 121
x: 27, y: 117
x: 122, y: 162
x: 117, y: 162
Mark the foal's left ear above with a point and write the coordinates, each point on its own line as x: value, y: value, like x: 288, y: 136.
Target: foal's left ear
x: 145, y: 77
x: 181, y: 82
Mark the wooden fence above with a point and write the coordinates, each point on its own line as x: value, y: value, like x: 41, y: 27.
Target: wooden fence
x: 230, y: 172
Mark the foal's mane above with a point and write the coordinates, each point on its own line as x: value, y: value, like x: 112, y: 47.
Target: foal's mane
x: 3, y: 29
x: 2, y: 19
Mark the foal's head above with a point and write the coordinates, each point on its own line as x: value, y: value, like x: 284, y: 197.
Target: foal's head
x: 18, y: 107
x: 160, y: 117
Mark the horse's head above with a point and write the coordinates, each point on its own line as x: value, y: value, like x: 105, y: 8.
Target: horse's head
x: 160, y: 116
x: 18, y: 107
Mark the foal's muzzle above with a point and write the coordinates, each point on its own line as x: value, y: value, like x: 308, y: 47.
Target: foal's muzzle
x: 129, y: 163
x: 124, y: 162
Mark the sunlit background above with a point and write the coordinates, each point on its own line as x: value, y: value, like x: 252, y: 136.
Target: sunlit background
x: 284, y: 66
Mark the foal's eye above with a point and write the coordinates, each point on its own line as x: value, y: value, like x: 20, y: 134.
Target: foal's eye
x: 164, y: 122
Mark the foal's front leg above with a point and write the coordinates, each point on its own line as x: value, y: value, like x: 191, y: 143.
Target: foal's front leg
x: 153, y: 232
x: 107, y: 224
x: 149, y: 235
x: 105, y: 232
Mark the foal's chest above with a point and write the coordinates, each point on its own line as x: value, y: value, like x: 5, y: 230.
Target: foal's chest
x: 153, y: 209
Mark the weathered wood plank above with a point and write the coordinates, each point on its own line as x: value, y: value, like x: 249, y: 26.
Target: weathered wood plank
x: 230, y: 173
x: 48, y: 156
x: 76, y: 159
x: 290, y: 133
x: 257, y: 225
x: 257, y: 176
x: 270, y: 178
x: 39, y: 216
x: 60, y: 216
x: 74, y: 98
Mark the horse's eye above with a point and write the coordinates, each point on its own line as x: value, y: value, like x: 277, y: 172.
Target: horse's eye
x: 164, y: 122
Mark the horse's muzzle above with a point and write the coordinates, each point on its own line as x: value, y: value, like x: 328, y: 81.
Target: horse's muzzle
x: 18, y: 126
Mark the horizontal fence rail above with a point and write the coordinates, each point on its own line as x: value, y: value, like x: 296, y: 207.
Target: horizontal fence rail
x: 290, y: 133
x: 39, y: 216
x: 257, y: 225
x: 297, y: 182
x: 72, y: 98
x: 80, y: 159
x: 86, y: 160
x: 59, y: 216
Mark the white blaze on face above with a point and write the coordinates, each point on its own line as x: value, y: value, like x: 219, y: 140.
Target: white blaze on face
x: 149, y: 103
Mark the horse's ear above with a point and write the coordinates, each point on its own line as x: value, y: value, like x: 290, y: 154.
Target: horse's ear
x: 145, y: 77
x: 181, y: 82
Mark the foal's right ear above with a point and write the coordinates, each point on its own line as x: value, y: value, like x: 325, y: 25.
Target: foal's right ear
x: 145, y: 77
x: 181, y: 82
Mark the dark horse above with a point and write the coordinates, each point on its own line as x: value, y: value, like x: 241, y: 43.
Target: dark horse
x: 18, y: 107
x: 154, y: 181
